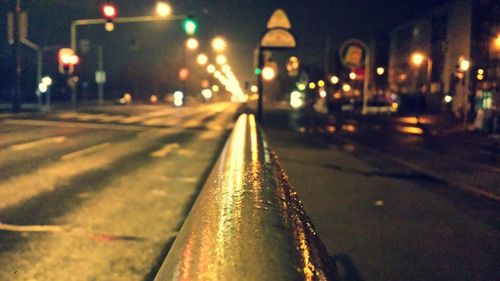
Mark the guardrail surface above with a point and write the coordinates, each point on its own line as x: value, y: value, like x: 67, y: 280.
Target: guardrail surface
x: 247, y: 223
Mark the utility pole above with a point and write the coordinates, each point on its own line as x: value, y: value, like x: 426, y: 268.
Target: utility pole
x: 16, y: 98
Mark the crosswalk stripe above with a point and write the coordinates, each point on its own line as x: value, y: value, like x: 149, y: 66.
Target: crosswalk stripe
x: 28, y: 145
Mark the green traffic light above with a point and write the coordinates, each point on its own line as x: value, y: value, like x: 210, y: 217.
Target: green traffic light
x: 258, y: 71
x: 190, y: 26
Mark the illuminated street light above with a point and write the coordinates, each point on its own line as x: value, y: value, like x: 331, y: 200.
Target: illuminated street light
x: 47, y: 80
x: 417, y: 59
x: 219, y: 44
x: 480, y: 71
x: 42, y: 87
x: 226, y: 68
x: 380, y: 70
x: 163, y: 9
x: 192, y: 44
x: 268, y: 73
x: 496, y: 43
x: 321, y: 83
x: 202, y: 59
x: 215, y: 88
x: 352, y: 75
x: 221, y: 60
x: 464, y: 65
x: 254, y: 89
x: 312, y: 85
x: 335, y: 80
x: 211, y: 68
x: 346, y: 87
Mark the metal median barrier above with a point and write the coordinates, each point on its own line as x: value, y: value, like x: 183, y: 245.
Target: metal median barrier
x: 247, y: 223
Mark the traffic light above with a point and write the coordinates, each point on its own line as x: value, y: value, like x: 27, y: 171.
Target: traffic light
x: 109, y: 12
x: 190, y: 26
x: 67, y: 61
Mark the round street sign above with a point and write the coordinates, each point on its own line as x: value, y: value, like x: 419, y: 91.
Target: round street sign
x: 353, y: 53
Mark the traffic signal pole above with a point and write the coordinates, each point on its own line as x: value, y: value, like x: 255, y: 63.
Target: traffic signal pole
x: 16, y: 97
x: 83, y: 22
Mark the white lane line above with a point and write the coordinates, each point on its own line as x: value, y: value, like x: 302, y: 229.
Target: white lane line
x: 85, y: 151
x: 164, y: 150
x: 65, y: 124
x: 28, y: 145
x: 30, y: 228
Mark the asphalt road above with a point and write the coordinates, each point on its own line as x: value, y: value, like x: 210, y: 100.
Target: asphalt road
x: 381, y: 216
x: 100, y: 194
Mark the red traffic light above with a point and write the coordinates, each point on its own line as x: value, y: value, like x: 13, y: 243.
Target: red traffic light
x: 109, y: 11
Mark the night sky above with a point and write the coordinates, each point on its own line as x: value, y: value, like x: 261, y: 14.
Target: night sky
x: 156, y: 47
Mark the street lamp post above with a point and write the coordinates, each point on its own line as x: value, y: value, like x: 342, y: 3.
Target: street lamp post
x: 417, y: 59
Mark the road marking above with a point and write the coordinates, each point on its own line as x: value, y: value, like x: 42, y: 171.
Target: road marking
x: 85, y: 151
x: 28, y: 145
x: 79, y: 125
x: 31, y: 228
x: 165, y: 150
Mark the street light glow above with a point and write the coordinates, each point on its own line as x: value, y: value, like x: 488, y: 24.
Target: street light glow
x: 496, y: 43
x: 464, y: 65
x: 219, y: 44
x: 268, y: 73
x: 47, y: 80
x: 192, y: 44
x: 380, y: 70
x: 417, y: 59
x: 211, y: 68
x: 346, y: 87
x: 254, y: 89
x: 163, y: 9
x: 352, y: 75
x: 202, y: 59
x: 221, y: 60
x: 312, y: 85
x: 335, y: 80
x: 226, y: 68
x: 321, y: 83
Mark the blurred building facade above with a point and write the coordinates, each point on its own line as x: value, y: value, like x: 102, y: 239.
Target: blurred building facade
x: 459, y: 30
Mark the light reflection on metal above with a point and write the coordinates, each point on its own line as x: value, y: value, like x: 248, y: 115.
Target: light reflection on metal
x: 247, y: 223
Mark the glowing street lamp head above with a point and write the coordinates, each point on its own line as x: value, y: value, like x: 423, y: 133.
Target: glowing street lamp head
x: 219, y: 44
x: 47, y: 80
x: 211, y: 68
x: 346, y: 87
x: 221, y: 59
x: 496, y: 42
x: 163, y: 9
x: 417, y: 59
x: 268, y: 73
x: 464, y: 65
x: 380, y: 70
x: 226, y: 68
x: 192, y: 44
x: 202, y: 59
x: 352, y: 76
x: 335, y: 80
